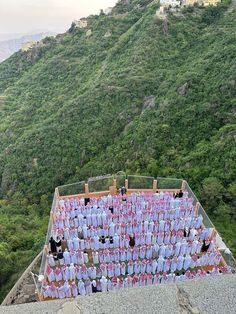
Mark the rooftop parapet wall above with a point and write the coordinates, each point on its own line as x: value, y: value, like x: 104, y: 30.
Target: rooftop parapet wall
x: 111, y: 183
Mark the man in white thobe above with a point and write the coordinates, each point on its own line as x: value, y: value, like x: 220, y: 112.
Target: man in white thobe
x: 103, y: 282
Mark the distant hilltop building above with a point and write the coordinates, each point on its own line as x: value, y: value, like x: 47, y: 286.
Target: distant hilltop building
x: 89, y: 33
x: 170, y: 3
x: 82, y: 23
x: 181, y: 3
x: 28, y: 45
x: 108, y: 34
x: 210, y: 2
x: 108, y: 10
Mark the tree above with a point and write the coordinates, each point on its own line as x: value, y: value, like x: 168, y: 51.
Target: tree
x: 212, y: 191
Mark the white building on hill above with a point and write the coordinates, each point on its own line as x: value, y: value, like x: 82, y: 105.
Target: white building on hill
x: 82, y: 23
x: 108, y: 10
x: 170, y: 3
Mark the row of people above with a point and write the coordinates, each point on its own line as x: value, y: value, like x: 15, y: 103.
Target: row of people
x: 160, y: 264
x: 96, y: 210
x: 159, y: 237
x: 87, y: 287
x: 145, y: 251
x: 190, y: 237
x: 102, y: 242
x: 64, y: 219
x: 140, y: 199
x: 112, y: 228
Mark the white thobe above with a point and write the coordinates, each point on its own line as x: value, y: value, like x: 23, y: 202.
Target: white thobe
x: 154, y: 266
x: 103, y: 282
x: 74, y: 290
x: 187, y: 262
x: 95, y: 258
x: 123, y: 269
x: 61, y: 292
x: 66, y: 256
x: 160, y: 263
x: 81, y: 288
x: 75, y: 244
x: 180, y: 260
x: 51, y: 261
x: 67, y: 289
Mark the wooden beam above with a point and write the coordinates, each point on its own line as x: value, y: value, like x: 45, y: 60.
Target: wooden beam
x: 53, y: 217
x: 57, y: 193
x: 213, y: 234
x: 197, y: 206
x: 126, y: 184
x: 112, y: 190
x: 86, y: 188
x: 104, y: 193
x: 154, y: 185
x: 40, y: 296
x: 115, y: 185
x: 184, y: 184
x: 46, y: 249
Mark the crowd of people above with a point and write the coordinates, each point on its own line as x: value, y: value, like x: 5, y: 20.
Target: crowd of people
x: 119, y: 241
x: 68, y: 289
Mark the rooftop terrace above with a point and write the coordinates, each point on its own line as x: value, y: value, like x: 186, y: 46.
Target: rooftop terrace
x: 109, y: 185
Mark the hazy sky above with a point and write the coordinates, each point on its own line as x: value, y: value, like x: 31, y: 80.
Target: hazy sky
x: 20, y: 16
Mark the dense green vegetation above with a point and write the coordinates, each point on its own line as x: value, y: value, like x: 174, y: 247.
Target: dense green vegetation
x: 76, y: 106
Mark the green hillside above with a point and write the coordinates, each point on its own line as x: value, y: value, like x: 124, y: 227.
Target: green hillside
x: 88, y: 103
